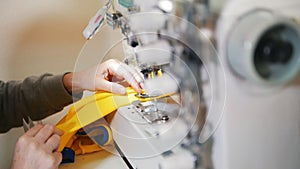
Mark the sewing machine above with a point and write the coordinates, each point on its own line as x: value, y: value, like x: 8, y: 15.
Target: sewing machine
x: 230, y: 76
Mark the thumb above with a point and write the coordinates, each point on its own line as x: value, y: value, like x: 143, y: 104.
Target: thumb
x: 111, y: 87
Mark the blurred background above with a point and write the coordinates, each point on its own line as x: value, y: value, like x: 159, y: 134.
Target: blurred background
x: 43, y: 36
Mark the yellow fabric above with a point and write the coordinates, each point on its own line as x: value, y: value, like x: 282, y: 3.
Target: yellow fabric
x: 90, y: 109
x: 82, y: 144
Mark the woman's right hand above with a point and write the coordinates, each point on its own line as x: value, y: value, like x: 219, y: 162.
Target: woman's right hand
x: 37, y: 148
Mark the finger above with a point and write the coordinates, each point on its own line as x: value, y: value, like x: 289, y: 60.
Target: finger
x: 53, y: 142
x: 58, y: 157
x: 34, y: 130
x: 43, y: 135
x: 128, y: 76
x: 117, y: 78
x: 139, y: 77
x: 134, y: 72
x: 58, y: 131
x: 111, y: 87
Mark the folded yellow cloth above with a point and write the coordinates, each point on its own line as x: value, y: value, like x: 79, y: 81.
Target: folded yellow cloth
x: 90, y: 109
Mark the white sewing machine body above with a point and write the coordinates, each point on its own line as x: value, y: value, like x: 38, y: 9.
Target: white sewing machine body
x: 261, y: 123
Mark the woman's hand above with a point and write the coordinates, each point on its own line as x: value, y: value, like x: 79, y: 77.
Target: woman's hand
x: 105, y: 76
x: 37, y: 148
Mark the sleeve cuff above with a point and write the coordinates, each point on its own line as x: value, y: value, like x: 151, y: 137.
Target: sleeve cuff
x: 57, y: 94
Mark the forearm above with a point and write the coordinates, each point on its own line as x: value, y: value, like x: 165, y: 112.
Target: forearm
x: 37, y: 97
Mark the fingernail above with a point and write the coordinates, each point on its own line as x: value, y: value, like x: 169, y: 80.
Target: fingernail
x: 142, y: 85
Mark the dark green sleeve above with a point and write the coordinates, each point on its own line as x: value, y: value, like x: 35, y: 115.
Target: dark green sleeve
x: 37, y: 97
